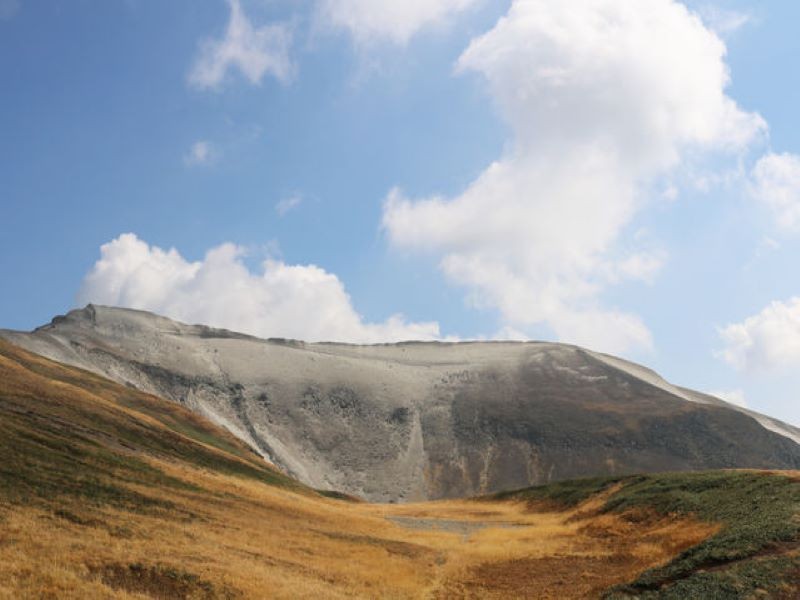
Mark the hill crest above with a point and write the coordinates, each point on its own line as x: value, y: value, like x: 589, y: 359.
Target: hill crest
x: 420, y: 420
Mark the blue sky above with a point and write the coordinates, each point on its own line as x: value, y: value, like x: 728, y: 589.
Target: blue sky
x: 621, y: 174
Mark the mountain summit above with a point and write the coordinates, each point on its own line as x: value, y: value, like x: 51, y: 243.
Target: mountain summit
x: 414, y: 420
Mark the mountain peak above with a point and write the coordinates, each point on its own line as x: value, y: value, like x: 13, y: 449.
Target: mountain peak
x: 414, y: 421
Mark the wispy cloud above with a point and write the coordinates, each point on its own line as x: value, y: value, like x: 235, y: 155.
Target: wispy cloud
x: 775, y: 182
x: 724, y: 21
x: 391, y: 20
x: 287, y: 204
x: 201, y: 153
x: 253, y: 51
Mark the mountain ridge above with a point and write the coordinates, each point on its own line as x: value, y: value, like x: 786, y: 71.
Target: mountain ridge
x: 420, y: 420
x: 108, y: 492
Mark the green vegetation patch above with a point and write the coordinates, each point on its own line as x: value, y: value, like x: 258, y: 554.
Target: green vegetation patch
x: 776, y: 578
x: 562, y: 494
x: 756, y: 546
x: 755, y: 553
x: 38, y: 467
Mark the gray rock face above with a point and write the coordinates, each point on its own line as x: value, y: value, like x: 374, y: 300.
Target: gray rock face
x: 414, y: 421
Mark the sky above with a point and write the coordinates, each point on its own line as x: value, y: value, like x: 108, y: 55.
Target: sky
x: 619, y: 174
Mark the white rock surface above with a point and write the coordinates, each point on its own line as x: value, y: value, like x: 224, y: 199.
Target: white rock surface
x: 413, y: 421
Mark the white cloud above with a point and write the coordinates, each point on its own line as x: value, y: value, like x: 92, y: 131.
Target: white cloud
x: 776, y: 183
x: 731, y: 396
x: 287, y: 204
x: 254, y: 51
x: 393, y: 20
x: 292, y: 301
x: 724, y: 21
x: 765, y: 247
x: 643, y: 266
x: 201, y: 153
x: 603, y: 96
x: 767, y: 341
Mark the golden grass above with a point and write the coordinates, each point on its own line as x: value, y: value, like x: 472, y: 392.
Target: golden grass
x: 247, y: 539
x: 187, y: 511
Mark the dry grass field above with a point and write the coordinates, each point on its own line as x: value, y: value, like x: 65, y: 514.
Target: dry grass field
x: 244, y: 539
x: 109, y: 493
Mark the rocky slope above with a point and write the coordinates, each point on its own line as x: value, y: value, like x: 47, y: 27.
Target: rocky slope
x: 413, y: 421
x: 107, y: 492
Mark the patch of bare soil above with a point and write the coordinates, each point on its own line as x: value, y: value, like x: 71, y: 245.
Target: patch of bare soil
x: 555, y: 577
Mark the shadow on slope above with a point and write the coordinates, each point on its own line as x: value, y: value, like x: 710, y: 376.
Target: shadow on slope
x: 67, y: 432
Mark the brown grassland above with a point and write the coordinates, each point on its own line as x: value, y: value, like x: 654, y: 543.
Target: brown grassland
x: 106, y: 492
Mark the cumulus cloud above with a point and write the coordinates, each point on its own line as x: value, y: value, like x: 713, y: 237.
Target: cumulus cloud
x: 776, y: 184
x: 292, y: 301
x: 766, y: 341
x: 253, y: 51
x: 602, y: 97
x: 287, y: 204
x: 201, y: 152
x: 392, y: 20
x: 731, y: 396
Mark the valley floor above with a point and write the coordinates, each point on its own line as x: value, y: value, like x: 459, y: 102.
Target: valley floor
x: 106, y: 492
x: 238, y: 538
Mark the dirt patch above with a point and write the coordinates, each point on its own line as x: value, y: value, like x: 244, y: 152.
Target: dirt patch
x: 551, y: 577
x: 159, y: 582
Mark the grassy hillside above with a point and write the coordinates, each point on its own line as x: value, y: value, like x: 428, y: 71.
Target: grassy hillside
x: 67, y: 432
x: 106, y: 492
x: 755, y: 551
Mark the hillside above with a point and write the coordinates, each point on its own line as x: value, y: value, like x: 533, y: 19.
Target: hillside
x: 107, y: 492
x: 755, y: 552
x: 415, y: 421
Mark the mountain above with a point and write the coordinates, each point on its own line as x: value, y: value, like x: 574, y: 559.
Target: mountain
x: 415, y: 421
x: 109, y: 492
x: 68, y: 433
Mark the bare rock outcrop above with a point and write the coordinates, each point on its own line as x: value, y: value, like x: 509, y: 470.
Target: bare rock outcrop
x: 413, y: 421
